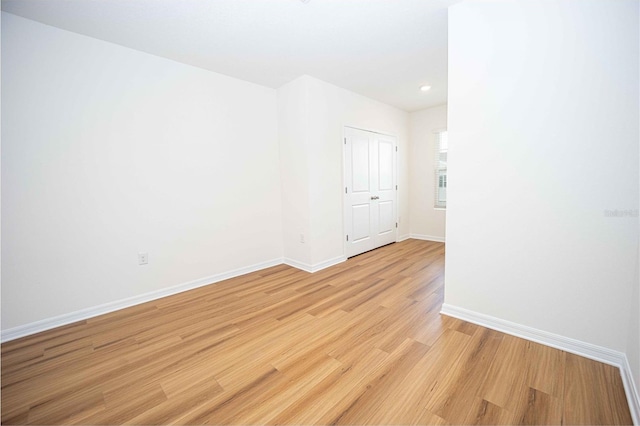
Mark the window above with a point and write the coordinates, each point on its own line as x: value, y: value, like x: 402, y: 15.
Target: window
x: 441, y: 147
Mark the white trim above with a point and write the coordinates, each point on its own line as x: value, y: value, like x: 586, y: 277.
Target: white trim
x: 298, y: 265
x: 380, y: 132
x: 631, y: 390
x: 327, y: 263
x: 83, y: 314
x: 427, y: 238
x: 577, y: 347
x: 587, y: 350
x: 343, y: 143
x: 403, y: 238
x: 314, y: 268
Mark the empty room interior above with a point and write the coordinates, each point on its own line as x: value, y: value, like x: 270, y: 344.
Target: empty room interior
x: 236, y: 212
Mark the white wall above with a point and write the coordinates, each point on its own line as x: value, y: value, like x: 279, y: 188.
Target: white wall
x: 633, y: 338
x: 326, y: 110
x: 332, y: 108
x: 108, y: 152
x: 427, y: 222
x: 0, y: 165
x: 543, y: 139
x: 293, y: 110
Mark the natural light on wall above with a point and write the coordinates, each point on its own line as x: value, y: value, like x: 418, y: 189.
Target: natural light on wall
x: 441, y: 147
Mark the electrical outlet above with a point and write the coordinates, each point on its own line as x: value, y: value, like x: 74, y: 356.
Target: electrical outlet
x: 302, y: 238
x: 143, y: 258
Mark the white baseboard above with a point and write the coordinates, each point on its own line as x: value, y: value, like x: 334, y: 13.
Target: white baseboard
x: 314, y: 268
x: 83, y: 314
x: 577, y: 347
x: 631, y: 389
x: 403, y: 238
x: 587, y: 350
x: 427, y: 237
x: 298, y: 265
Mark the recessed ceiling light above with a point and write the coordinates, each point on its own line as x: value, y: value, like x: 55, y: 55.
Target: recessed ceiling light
x: 425, y: 88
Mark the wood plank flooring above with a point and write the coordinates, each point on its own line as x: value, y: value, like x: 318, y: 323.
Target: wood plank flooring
x: 358, y: 343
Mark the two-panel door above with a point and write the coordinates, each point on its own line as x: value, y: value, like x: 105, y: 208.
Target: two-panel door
x: 370, y: 191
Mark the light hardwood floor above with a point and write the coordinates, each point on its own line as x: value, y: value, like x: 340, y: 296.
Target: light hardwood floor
x: 358, y: 343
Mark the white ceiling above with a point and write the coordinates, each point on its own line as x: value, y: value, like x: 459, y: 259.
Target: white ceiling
x: 383, y: 49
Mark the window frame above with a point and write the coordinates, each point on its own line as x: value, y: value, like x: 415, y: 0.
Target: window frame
x: 440, y: 169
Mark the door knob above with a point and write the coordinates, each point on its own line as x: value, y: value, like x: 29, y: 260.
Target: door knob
x: 374, y: 197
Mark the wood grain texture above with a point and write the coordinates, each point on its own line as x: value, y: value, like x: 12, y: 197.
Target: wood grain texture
x: 358, y: 343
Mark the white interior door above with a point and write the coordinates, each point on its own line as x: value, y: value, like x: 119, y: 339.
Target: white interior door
x: 370, y: 190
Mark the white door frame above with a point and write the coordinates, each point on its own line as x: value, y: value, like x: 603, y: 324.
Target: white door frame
x: 344, y: 180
